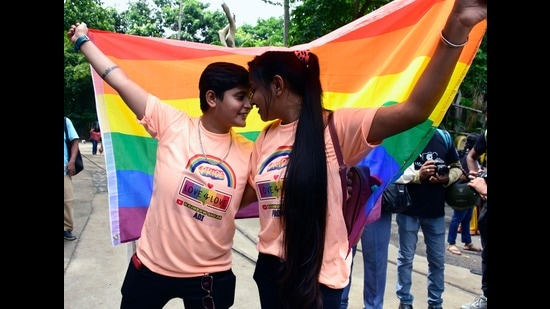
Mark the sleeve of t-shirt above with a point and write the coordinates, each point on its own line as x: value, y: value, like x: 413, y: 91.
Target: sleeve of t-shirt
x: 353, y: 126
x: 481, y: 145
x: 71, y: 131
x: 158, y: 116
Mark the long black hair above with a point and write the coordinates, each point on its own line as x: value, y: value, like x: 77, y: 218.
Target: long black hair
x: 304, y: 191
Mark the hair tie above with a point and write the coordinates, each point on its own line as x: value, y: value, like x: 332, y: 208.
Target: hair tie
x: 303, y: 55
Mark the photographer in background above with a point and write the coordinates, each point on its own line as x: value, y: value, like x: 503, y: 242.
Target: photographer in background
x: 463, y: 217
x: 480, y: 185
x: 435, y: 168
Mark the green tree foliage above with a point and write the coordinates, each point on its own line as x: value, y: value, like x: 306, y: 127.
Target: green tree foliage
x: 198, y: 24
x: 142, y: 19
x: 465, y: 115
x: 268, y: 32
x: 313, y: 19
x: 91, y: 12
x: 79, y: 99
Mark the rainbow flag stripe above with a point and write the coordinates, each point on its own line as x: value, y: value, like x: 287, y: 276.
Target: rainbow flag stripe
x: 371, y: 61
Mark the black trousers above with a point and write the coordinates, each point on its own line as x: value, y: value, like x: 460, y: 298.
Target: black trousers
x: 145, y: 289
x: 267, y: 274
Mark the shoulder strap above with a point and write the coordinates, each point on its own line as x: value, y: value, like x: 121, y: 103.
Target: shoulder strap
x: 66, y: 131
x: 68, y: 142
x: 446, y: 138
x: 335, y: 142
x: 343, y: 167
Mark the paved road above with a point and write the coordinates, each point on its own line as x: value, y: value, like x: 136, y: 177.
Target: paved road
x: 469, y: 259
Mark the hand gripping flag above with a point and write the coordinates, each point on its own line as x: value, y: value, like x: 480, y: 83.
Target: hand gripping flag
x: 372, y: 61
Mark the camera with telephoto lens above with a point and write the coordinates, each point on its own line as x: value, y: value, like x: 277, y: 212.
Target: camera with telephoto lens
x: 441, y: 168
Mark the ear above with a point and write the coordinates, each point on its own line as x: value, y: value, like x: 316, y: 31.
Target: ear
x: 277, y: 84
x: 211, y: 98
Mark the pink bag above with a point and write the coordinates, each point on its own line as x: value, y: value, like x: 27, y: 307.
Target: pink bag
x: 355, y: 208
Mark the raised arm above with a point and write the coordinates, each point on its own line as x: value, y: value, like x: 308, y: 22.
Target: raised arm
x: 471, y: 159
x: 431, y: 85
x: 133, y: 95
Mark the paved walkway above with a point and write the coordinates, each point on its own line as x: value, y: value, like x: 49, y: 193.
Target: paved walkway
x: 94, y: 269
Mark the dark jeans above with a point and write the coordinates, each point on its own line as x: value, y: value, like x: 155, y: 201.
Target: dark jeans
x: 94, y: 146
x: 374, y: 243
x: 148, y: 290
x: 482, y: 226
x: 267, y: 275
x: 462, y: 217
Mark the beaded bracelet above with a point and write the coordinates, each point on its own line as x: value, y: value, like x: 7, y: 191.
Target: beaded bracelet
x: 449, y: 43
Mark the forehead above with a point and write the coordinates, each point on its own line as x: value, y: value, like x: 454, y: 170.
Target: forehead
x: 238, y: 88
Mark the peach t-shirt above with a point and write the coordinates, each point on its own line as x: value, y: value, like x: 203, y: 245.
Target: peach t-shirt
x: 190, y: 224
x: 268, y: 165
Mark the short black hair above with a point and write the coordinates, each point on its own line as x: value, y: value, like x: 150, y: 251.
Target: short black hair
x: 220, y: 77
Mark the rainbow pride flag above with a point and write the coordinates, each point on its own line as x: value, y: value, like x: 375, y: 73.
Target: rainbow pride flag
x: 372, y: 61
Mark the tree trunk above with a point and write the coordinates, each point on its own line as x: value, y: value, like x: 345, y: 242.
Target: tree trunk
x: 227, y: 34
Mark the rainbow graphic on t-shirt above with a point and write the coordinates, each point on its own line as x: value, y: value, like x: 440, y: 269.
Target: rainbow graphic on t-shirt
x: 371, y: 61
x: 277, y: 160
x: 204, y: 167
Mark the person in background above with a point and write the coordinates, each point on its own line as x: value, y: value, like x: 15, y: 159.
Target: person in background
x: 95, y: 138
x: 294, y: 176
x: 184, y: 250
x: 375, y: 241
x: 437, y: 167
x: 462, y: 217
x: 480, y: 148
x: 69, y: 171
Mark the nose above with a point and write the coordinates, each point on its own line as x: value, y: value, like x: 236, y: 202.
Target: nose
x: 248, y: 104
